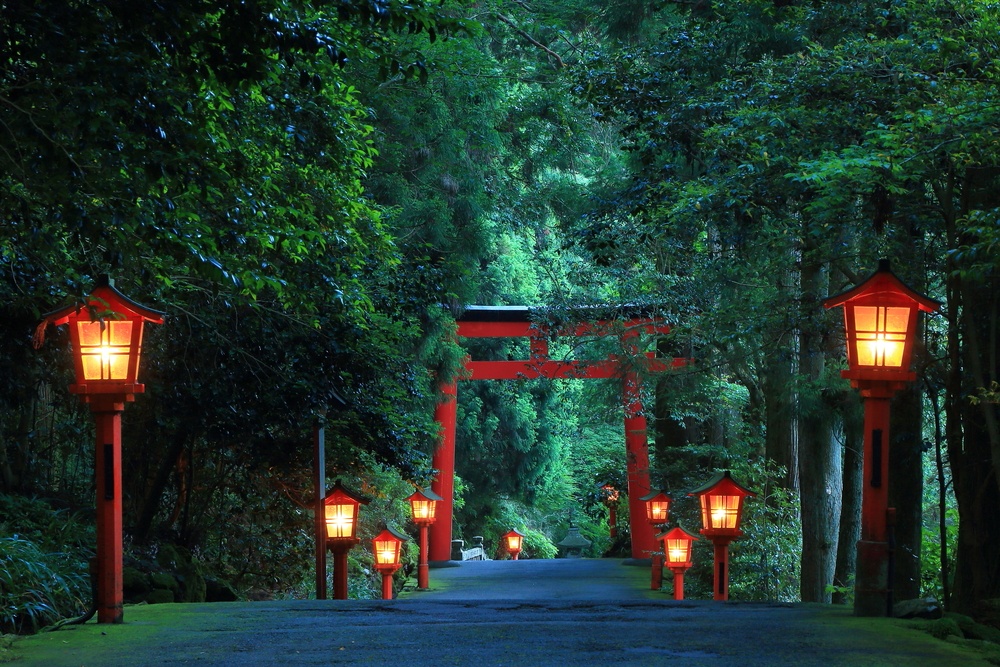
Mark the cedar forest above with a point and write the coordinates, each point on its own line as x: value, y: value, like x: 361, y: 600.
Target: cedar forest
x: 314, y: 191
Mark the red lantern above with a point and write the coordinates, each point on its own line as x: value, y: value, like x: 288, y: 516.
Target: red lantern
x: 657, y: 507
x: 880, y: 318
x: 880, y: 321
x: 341, y: 518
x: 513, y: 540
x: 678, y: 546
x: 722, y: 506
x: 106, y: 336
x: 387, y: 547
x: 721, y: 513
x: 423, y: 507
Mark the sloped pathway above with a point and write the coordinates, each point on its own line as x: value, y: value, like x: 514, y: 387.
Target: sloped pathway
x: 497, y: 613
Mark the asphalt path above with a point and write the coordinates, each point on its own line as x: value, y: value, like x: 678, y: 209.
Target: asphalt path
x: 559, y: 613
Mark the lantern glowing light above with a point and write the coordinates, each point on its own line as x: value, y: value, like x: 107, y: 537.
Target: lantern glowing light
x: 657, y: 507
x: 880, y: 318
x: 341, y: 513
x: 513, y: 540
x: 387, y: 547
x: 423, y: 506
x: 721, y: 513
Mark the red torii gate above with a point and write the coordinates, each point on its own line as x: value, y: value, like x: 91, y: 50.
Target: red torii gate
x: 516, y: 322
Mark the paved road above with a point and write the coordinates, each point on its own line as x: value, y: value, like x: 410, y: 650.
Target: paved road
x: 525, y: 613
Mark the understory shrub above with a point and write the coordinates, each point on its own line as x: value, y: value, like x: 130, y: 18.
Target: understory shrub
x: 38, y: 588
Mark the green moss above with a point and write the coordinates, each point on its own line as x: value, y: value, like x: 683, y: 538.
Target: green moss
x: 165, y: 581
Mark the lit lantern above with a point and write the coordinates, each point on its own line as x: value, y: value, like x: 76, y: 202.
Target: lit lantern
x: 341, y: 516
x: 387, y: 547
x: 513, y: 540
x: 106, y: 335
x: 610, y: 499
x: 880, y: 318
x: 341, y: 511
x: 880, y: 321
x: 657, y: 507
x: 721, y: 513
x: 423, y: 506
x: 678, y: 545
x: 722, y: 506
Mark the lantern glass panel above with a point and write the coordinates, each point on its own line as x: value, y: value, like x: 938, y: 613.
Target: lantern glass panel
x: 422, y: 509
x: 678, y: 551
x: 656, y: 510
x: 513, y: 542
x: 718, y: 511
x: 105, y: 348
x: 387, y: 551
x: 880, y: 335
x: 340, y: 520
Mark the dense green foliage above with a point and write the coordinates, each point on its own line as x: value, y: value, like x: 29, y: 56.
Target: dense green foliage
x: 314, y: 192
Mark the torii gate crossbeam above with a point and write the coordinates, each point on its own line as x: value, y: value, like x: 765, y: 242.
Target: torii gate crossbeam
x: 516, y: 322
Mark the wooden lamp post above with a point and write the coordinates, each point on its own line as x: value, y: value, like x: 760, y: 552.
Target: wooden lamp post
x: 657, y: 509
x: 880, y: 320
x: 341, y: 518
x: 106, y: 335
x: 423, y: 507
x: 512, y: 540
x: 387, y: 547
x: 721, y: 513
x: 610, y: 500
x: 678, y: 545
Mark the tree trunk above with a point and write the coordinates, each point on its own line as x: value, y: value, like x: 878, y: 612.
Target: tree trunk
x: 906, y: 489
x: 850, y: 511
x: 780, y: 442
x: 819, y: 454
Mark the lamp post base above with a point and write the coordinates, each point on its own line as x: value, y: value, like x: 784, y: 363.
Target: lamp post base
x: 871, y: 594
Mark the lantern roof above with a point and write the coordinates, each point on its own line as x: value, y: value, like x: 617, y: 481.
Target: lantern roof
x: 426, y: 494
x: 883, y: 284
x: 677, y: 533
x: 338, y: 491
x: 723, y: 484
x: 105, y: 297
x: 514, y: 531
x: 653, y: 495
x: 574, y: 540
x: 401, y: 536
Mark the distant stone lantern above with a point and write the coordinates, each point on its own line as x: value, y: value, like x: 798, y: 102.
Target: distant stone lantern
x: 513, y: 540
x: 657, y: 509
x: 880, y: 322
x: 678, y: 546
x: 721, y: 514
x: 387, y: 547
x: 341, y: 518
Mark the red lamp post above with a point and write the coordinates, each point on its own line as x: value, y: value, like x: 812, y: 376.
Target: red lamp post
x: 513, y: 539
x: 611, y: 502
x: 721, y: 513
x: 341, y: 514
x: 106, y: 335
x: 657, y: 508
x: 387, y: 547
x: 423, y: 506
x: 678, y: 545
x: 880, y: 318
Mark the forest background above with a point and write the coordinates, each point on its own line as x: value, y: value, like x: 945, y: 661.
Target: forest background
x: 314, y: 191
